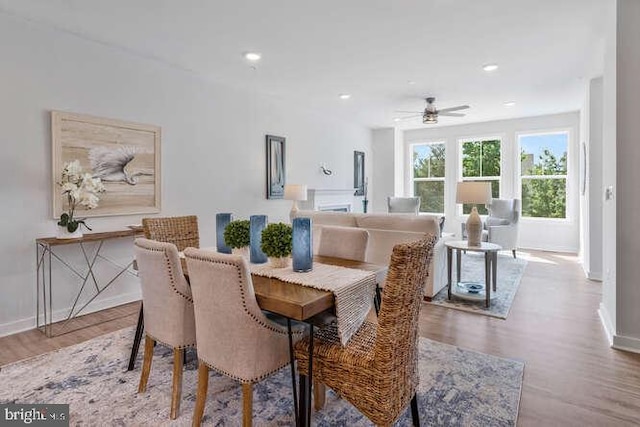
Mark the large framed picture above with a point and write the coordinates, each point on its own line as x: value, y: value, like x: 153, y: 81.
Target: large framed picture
x: 275, y: 167
x: 124, y: 155
x: 358, y: 172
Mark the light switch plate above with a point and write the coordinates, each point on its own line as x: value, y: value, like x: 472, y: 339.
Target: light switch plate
x: 608, y: 193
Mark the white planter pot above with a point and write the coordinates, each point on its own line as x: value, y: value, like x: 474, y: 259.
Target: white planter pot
x: 243, y: 252
x: 279, y: 262
x: 63, y: 233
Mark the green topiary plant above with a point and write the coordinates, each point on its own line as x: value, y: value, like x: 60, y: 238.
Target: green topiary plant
x: 236, y: 234
x: 276, y: 240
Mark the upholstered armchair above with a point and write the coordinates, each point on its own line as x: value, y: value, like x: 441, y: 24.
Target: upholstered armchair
x: 377, y: 371
x: 168, y: 309
x: 234, y: 337
x: 403, y: 205
x: 501, y: 225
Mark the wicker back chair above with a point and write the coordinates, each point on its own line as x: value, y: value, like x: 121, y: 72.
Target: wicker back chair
x: 377, y: 371
x: 168, y: 309
x: 182, y: 231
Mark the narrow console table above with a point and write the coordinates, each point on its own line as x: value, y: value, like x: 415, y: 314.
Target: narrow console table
x: 45, y: 252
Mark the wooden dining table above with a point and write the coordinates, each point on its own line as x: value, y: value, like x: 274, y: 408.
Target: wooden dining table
x: 294, y: 302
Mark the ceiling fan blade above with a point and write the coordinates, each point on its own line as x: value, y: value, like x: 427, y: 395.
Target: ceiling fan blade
x: 410, y: 112
x: 459, y: 107
x: 451, y: 114
x: 410, y: 117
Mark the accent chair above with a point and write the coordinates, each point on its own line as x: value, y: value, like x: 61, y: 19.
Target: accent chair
x: 168, y: 309
x: 501, y: 225
x: 403, y: 205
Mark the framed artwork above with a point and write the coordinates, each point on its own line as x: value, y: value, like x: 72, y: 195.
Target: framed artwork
x: 358, y: 173
x: 124, y: 155
x: 275, y: 167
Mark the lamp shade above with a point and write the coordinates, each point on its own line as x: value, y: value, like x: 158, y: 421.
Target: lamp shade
x: 295, y: 192
x: 475, y: 192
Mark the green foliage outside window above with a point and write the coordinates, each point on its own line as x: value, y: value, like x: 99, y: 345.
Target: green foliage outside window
x: 481, y: 159
x: 428, y: 174
x: 544, y: 197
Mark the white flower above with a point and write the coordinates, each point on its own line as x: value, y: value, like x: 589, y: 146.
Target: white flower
x: 80, y: 187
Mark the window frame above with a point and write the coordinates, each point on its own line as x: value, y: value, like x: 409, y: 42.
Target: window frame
x: 491, y: 137
x: 413, y: 180
x: 568, y: 214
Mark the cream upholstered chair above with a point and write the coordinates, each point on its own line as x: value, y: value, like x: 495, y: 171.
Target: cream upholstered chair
x: 501, y: 225
x: 182, y: 231
x: 234, y: 336
x: 377, y: 371
x: 403, y: 205
x: 343, y: 242
x: 168, y: 309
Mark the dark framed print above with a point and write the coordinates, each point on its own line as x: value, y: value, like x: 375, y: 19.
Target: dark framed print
x: 275, y: 166
x: 358, y: 172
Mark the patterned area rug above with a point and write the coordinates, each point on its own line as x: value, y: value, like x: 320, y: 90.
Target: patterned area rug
x: 457, y: 388
x: 510, y: 272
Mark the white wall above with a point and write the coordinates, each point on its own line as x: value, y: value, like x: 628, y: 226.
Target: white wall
x: 213, y: 149
x: 382, y: 148
x: 546, y: 234
x: 627, y: 176
x: 591, y: 200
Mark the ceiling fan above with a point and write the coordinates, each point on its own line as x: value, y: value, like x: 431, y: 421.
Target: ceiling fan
x: 431, y: 113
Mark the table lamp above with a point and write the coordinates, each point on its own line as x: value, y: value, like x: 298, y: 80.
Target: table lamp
x: 295, y: 192
x: 474, y: 192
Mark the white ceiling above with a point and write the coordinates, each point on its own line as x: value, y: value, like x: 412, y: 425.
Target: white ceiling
x: 314, y: 50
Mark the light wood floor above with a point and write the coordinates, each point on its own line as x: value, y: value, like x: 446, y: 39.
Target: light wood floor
x: 572, y: 377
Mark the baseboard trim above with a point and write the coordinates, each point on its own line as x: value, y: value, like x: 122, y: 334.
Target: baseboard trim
x: 605, y: 319
x: 631, y: 344
x: 28, y: 323
x: 594, y: 276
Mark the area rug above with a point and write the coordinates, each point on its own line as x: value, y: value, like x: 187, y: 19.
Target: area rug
x: 510, y: 272
x: 457, y: 388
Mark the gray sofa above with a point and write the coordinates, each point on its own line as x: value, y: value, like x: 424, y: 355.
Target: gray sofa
x: 385, y: 231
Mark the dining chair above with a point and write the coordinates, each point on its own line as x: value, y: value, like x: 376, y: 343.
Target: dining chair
x: 168, y: 309
x: 377, y: 371
x: 343, y: 242
x: 234, y: 336
x: 182, y: 231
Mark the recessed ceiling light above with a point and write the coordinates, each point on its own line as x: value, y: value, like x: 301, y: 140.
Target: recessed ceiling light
x: 345, y: 95
x: 397, y: 119
x: 252, y: 56
x: 490, y: 67
x: 410, y: 82
x: 509, y: 103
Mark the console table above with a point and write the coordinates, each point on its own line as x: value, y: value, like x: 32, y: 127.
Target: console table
x: 45, y: 253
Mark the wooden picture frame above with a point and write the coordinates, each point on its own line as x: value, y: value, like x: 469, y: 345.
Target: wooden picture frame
x: 125, y: 155
x: 276, y: 170
x: 358, y: 173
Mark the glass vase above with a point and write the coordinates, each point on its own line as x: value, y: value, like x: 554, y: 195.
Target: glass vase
x: 302, y: 247
x: 257, y: 223
x: 222, y: 220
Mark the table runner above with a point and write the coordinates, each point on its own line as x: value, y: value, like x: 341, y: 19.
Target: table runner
x: 353, y: 290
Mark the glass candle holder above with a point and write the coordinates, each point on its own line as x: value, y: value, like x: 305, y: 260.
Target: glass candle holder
x: 222, y: 220
x: 257, y: 223
x: 302, y: 246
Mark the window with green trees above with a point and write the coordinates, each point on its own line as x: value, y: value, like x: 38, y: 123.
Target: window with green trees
x: 543, y: 174
x: 481, y: 162
x: 428, y: 175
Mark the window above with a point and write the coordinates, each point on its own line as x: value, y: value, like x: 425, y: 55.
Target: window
x: 427, y: 178
x: 543, y: 174
x: 481, y: 162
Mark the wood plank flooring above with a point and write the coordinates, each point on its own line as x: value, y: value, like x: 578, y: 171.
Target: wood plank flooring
x: 572, y: 377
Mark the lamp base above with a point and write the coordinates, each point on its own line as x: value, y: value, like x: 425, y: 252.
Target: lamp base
x: 294, y: 210
x: 474, y: 228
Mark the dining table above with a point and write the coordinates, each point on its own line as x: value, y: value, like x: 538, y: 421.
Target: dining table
x: 293, y: 302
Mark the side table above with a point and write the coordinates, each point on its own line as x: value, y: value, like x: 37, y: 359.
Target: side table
x: 45, y: 253
x: 490, y: 251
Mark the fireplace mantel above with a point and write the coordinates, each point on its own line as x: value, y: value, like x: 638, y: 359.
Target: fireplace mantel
x: 329, y: 199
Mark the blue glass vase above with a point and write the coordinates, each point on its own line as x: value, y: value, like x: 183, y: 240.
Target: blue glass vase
x: 302, y: 250
x: 222, y: 220
x: 257, y: 223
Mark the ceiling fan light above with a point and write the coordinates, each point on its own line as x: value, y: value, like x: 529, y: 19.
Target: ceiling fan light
x: 430, y: 119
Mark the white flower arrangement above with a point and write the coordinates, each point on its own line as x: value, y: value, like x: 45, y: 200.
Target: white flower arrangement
x: 81, y: 189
